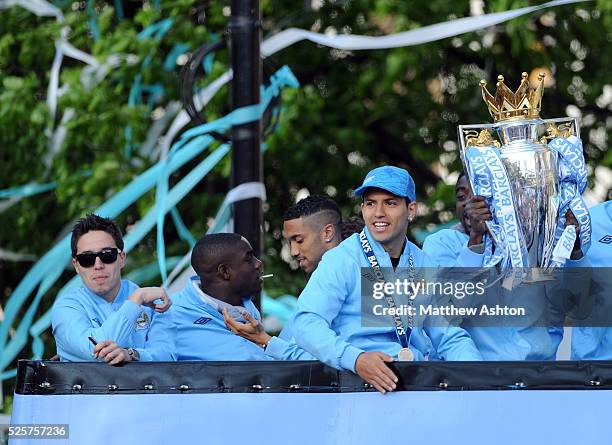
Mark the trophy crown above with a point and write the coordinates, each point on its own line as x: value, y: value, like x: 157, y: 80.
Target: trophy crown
x: 525, y: 103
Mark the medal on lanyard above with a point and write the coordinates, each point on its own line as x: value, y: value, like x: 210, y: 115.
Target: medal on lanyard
x: 404, y: 354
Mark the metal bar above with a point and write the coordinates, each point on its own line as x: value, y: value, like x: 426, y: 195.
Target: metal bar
x: 245, y: 39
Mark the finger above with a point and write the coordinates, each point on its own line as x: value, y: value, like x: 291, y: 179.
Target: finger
x: 101, y: 345
x: 386, y: 377
x: 119, y: 358
x: 385, y: 382
x: 483, y: 208
x: 385, y: 370
x: 161, y: 310
x: 225, y: 317
x: 389, y: 377
x: 250, y: 319
x: 229, y: 322
x: 150, y: 294
x: 107, y: 350
x: 163, y: 307
x: 383, y: 373
x: 102, y: 353
x: 166, y: 302
x: 232, y: 324
x: 479, y: 205
x: 380, y: 388
x: 111, y: 355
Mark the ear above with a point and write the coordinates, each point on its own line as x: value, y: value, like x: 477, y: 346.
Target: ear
x: 224, y: 272
x: 328, y: 233
x: 121, y: 259
x: 412, y: 210
x: 75, y: 264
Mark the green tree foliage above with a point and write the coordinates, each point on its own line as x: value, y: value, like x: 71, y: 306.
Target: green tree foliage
x: 355, y: 109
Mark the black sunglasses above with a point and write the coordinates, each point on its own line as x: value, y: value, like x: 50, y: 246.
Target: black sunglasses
x: 107, y: 256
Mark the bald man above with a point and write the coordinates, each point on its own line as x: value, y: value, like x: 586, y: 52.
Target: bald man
x: 228, y: 273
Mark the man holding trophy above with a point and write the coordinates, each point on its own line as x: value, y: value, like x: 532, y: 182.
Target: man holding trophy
x: 530, y: 178
x: 525, y: 177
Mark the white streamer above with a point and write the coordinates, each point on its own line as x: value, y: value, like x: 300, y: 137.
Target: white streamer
x: 418, y: 36
x: 8, y: 255
x: 199, y: 100
x: 352, y: 42
x: 57, y: 138
x: 247, y: 190
x: 270, y: 46
x: 93, y: 75
x: 39, y: 7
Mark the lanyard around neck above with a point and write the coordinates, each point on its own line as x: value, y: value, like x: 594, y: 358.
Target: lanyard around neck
x: 403, y: 335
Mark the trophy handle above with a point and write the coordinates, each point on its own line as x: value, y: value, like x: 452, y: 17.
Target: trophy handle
x: 562, y: 127
x: 473, y: 136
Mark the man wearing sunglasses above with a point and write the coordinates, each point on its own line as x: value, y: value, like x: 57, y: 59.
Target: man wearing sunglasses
x: 108, y: 318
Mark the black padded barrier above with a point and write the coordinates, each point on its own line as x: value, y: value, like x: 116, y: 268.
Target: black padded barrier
x: 60, y: 378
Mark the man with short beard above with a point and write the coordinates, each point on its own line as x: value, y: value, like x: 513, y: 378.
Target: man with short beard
x: 329, y: 319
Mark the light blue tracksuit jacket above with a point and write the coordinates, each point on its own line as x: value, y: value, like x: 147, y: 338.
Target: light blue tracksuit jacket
x: 79, y: 314
x: 595, y: 343
x: 284, y: 347
x: 447, y: 247
x: 328, y: 323
x: 201, y: 334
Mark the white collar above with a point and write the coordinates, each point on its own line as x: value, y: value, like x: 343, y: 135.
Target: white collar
x: 218, y: 305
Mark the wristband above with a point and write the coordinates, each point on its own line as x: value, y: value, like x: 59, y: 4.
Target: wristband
x: 134, y: 354
x: 265, y: 345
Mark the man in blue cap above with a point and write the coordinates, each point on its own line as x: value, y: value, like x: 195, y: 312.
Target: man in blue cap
x: 328, y: 323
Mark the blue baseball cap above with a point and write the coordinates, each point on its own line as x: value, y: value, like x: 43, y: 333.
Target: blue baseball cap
x: 394, y: 180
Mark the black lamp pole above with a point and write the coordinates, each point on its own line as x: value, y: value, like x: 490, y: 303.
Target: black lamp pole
x: 245, y: 38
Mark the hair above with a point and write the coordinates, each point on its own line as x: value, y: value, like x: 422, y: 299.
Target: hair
x: 313, y: 204
x: 93, y: 222
x: 462, y: 173
x: 213, y: 249
x: 352, y: 224
x: 405, y: 198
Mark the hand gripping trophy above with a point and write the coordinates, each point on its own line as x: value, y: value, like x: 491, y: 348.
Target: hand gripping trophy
x: 531, y: 172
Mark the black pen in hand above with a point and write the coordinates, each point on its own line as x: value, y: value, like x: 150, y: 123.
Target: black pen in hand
x: 93, y: 342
